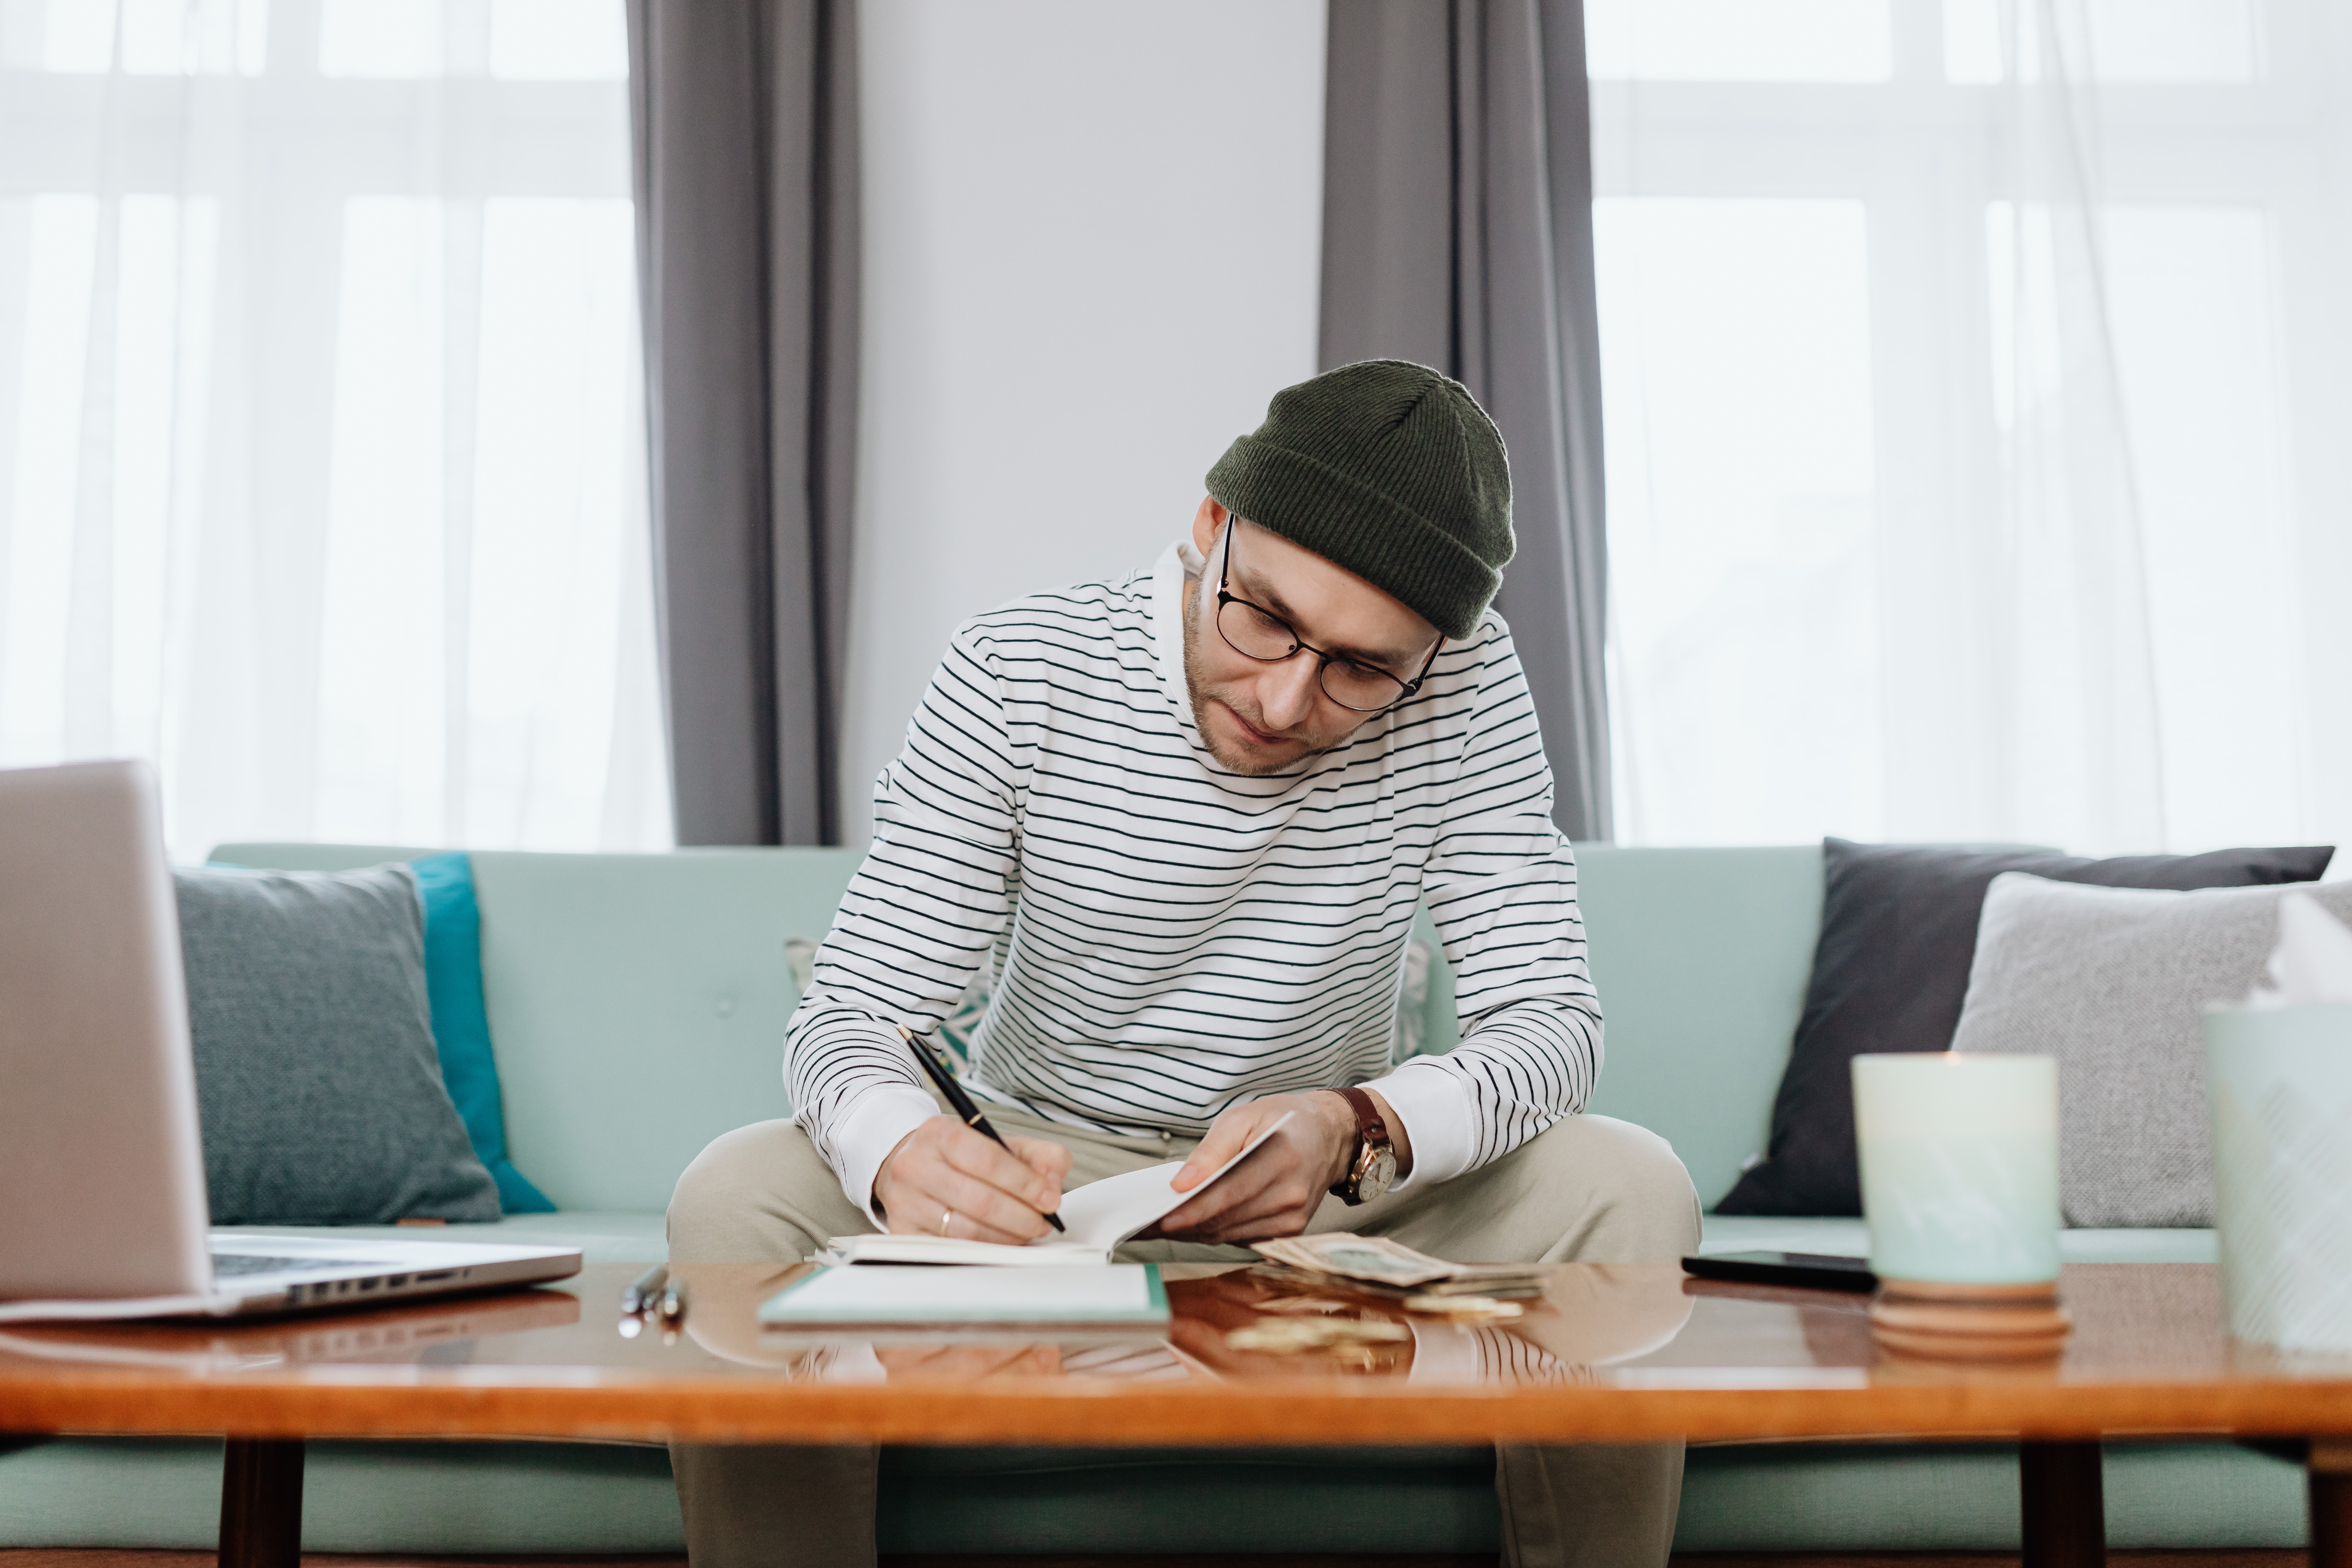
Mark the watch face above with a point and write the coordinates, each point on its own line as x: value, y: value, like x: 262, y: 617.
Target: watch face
x: 1379, y: 1173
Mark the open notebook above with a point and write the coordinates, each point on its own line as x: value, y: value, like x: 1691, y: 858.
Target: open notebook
x: 1098, y: 1217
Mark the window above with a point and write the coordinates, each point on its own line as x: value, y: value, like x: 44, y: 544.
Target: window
x: 320, y: 437
x: 1974, y: 383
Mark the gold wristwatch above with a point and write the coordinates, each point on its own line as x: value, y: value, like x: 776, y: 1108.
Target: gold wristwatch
x: 1373, y: 1169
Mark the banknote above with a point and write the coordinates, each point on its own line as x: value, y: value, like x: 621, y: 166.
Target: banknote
x: 1371, y: 1258
x: 1506, y: 1281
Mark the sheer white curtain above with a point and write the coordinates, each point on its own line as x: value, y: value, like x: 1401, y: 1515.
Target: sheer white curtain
x: 320, y: 442
x: 1977, y: 375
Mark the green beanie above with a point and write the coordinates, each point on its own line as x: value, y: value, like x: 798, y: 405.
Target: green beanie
x: 1388, y: 469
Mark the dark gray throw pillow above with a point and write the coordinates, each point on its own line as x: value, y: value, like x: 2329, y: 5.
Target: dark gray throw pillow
x: 317, y: 1083
x: 1891, y: 970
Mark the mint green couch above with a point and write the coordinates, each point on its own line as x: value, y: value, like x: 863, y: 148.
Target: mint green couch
x: 637, y: 1003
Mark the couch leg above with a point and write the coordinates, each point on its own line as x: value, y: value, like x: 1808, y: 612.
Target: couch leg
x: 261, y: 1503
x: 2065, y: 1505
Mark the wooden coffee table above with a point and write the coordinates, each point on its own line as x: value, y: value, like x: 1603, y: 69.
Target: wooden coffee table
x: 1614, y: 1354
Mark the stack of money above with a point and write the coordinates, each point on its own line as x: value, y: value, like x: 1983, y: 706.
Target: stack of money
x: 1380, y: 1267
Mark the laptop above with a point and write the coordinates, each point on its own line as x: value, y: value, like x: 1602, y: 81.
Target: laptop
x: 102, y: 1204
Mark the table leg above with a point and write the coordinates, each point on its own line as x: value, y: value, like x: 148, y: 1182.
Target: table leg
x: 2065, y: 1505
x: 261, y: 1503
x: 2331, y: 1503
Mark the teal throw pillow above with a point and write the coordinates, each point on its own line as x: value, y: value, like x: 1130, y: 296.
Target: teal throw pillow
x: 461, y: 1022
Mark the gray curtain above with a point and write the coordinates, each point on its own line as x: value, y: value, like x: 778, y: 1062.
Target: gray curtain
x: 1457, y: 231
x: 745, y: 120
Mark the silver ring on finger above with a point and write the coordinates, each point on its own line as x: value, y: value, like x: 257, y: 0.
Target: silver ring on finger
x: 946, y: 1220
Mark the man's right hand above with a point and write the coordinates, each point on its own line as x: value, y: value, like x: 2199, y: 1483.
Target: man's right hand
x: 945, y: 1169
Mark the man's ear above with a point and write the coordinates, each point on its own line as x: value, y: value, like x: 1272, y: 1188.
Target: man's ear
x: 1208, y: 523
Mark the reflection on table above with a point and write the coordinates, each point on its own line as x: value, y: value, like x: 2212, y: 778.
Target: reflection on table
x: 444, y: 1333
x: 1594, y: 1316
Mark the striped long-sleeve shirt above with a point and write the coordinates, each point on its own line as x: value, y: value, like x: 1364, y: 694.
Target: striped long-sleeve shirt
x: 1168, y: 938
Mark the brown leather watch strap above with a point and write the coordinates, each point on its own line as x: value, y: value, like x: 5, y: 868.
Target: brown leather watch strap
x: 1370, y: 1127
x: 1371, y: 1132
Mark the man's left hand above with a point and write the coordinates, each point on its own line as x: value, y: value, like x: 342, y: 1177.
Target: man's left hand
x: 1278, y: 1191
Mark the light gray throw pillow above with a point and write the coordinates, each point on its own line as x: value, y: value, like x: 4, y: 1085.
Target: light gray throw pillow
x: 318, y: 1084
x: 2114, y: 983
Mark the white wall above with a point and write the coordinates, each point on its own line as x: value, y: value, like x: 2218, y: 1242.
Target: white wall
x: 1092, y: 254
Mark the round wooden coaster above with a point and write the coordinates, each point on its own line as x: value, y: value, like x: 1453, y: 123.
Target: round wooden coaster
x: 1969, y: 1322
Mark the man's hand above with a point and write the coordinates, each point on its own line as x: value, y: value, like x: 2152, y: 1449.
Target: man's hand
x: 944, y: 1168
x: 1283, y: 1185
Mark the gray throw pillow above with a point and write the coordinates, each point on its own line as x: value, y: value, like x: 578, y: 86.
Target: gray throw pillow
x: 2114, y: 983
x: 317, y: 1083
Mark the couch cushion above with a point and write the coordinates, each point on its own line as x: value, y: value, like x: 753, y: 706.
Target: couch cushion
x: 1700, y: 958
x: 482, y: 1498
x: 454, y: 1497
x: 1940, y: 1497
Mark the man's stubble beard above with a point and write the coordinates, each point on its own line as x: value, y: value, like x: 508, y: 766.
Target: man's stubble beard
x: 1195, y: 692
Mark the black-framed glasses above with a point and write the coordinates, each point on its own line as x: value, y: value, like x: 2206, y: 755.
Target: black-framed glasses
x: 1255, y: 631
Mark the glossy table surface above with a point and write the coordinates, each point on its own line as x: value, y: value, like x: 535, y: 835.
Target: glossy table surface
x: 1611, y: 1352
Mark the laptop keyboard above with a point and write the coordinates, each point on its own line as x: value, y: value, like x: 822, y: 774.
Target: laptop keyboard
x: 226, y: 1263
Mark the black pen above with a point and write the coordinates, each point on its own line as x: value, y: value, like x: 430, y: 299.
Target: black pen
x: 957, y: 1097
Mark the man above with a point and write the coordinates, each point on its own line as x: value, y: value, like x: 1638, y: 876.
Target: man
x: 1181, y: 822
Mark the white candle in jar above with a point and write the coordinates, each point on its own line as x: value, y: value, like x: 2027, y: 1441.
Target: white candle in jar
x: 1960, y: 1166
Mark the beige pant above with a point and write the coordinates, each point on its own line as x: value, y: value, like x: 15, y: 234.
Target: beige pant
x: 1591, y: 1190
